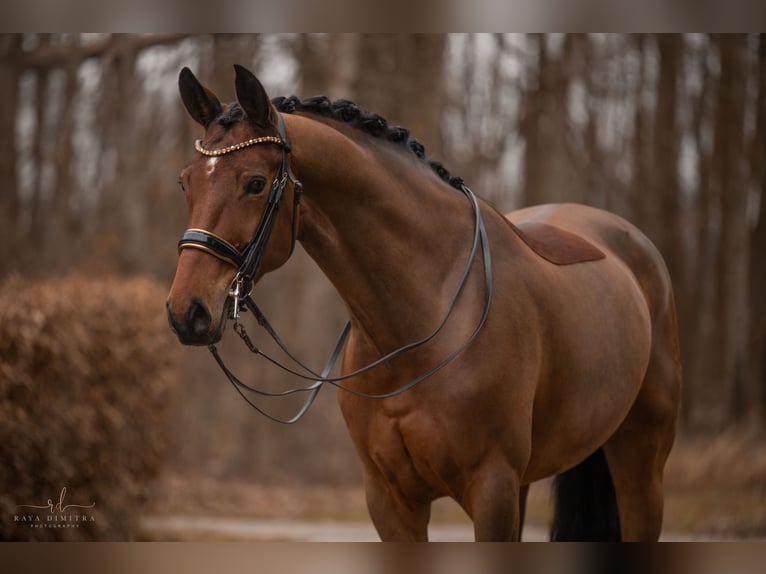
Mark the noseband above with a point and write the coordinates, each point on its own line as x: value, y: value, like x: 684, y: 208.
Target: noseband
x: 248, y: 261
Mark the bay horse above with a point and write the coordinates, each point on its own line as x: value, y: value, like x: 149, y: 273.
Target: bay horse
x: 574, y: 370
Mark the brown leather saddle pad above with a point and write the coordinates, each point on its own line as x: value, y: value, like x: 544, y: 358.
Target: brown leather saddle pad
x: 556, y: 245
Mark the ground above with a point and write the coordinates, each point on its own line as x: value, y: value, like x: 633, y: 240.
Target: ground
x: 715, y: 489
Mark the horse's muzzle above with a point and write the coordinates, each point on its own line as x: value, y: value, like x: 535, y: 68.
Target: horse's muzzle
x: 196, y: 326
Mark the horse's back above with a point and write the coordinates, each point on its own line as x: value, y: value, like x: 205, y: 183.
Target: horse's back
x: 615, y: 236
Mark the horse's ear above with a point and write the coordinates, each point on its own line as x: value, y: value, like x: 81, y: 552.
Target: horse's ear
x: 253, y: 98
x: 202, y: 104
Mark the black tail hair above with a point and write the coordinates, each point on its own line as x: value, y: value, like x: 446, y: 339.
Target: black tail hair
x: 585, y: 503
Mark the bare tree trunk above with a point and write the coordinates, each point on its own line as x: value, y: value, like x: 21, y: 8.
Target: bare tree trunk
x: 529, y: 127
x: 483, y: 115
x: 230, y: 49
x: 401, y: 77
x: 637, y: 204
x: 36, y: 236
x: 66, y: 227
x: 311, y: 53
x: 10, y: 50
x: 665, y: 222
x: 564, y: 181
x: 119, y: 209
x: 756, y: 392
x: 596, y: 192
x: 697, y: 321
x: 328, y: 64
x: 733, y: 254
x: 548, y: 172
x: 662, y: 206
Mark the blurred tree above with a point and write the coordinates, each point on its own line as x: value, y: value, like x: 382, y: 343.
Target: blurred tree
x: 121, y: 212
x: 756, y: 395
x: 637, y: 206
x: 729, y: 186
x: 67, y: 225
x: 482, y: 113
x: 402, y: 78
x: 664, y: 219
x: 545, y: 123
x: 327, y: 64
x: 37, y: 220
x: 695, y: 301
x: 227, y: 50
x: 10, y: 73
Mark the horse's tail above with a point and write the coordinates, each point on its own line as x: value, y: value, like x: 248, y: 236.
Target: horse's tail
x: 585, y: 503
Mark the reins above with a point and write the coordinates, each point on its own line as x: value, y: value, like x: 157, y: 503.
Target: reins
x: 248, y: 262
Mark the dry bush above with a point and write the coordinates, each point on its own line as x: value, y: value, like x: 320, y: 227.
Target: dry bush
x: 87, y: 370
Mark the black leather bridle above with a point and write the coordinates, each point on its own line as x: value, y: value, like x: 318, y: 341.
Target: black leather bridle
x: 248, y: 262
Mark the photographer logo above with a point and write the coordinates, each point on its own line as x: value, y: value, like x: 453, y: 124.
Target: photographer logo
x: 58, y: 514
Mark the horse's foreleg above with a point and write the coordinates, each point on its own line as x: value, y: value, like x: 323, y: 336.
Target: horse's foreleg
x: 523, y: 492
x: 395, y: 518
x: 493, y: 503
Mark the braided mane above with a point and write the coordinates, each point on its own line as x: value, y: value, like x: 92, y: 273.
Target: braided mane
x: 373, y: 124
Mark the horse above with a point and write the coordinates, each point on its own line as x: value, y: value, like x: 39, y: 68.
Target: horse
x: 558, y: 355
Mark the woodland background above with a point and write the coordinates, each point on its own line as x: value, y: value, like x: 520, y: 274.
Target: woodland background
x: 668, y: 131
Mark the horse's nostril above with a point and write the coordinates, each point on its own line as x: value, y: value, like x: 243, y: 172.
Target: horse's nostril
x: 198, y: 319
x: 174, y: 326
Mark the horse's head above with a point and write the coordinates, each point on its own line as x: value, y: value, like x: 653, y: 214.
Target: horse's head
x: 240, y: 162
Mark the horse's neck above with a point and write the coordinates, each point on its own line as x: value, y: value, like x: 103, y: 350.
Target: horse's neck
x: 382, y: 228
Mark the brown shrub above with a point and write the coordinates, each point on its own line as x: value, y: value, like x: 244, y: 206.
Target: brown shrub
x: 87, y: 369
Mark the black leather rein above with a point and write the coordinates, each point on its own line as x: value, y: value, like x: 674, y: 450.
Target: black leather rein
x: 248, y: 261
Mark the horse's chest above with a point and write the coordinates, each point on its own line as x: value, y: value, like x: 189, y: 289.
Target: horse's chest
x: 408, y: 452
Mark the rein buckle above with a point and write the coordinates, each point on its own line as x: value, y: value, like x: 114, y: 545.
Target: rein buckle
x: 237, y: 293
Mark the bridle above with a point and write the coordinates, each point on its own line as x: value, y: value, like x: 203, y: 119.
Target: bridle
x: 247, y: 263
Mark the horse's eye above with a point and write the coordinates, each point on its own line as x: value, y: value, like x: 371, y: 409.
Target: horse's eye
x: 181, y: 184
x: 255, y: 186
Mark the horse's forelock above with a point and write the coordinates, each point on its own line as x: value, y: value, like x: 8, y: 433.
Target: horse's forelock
x: 232, y: 115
